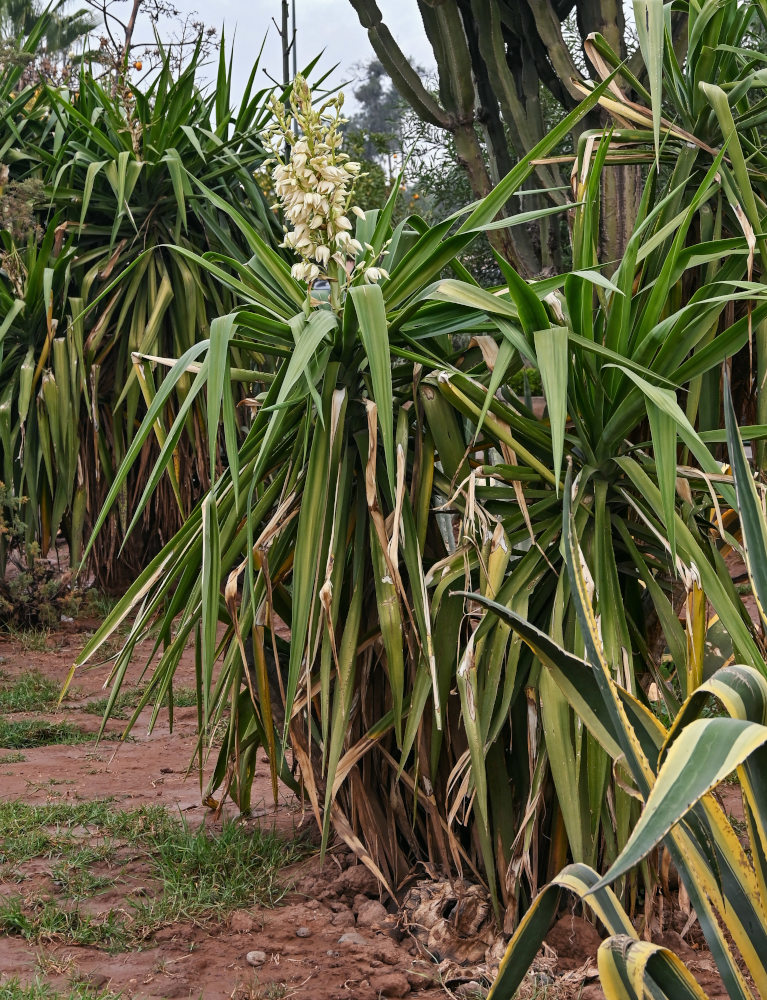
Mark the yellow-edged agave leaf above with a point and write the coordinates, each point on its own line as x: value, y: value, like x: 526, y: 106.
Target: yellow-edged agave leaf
x: 741, y: 909
x: 704, y: 753
x: 578, y: 879
x: 740, y: 690
x: 577, y: 569
x: 751, y: 776
x: 630, y: 969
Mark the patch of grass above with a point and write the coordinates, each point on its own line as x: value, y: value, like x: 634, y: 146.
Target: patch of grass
x: 31, y: 692
x: 204, y: 875
x: 184, y: 697
x: 41, y: 919
x: 31, y: 639
x: 13, y: 989
x: 124, y: 701
x: 76, y: 878
x: 196, y: 874
x: 23, y: 734
x: 13, y: 758
x: 262, y: 991
x: 60, y: 830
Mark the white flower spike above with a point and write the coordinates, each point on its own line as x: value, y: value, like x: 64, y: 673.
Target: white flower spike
x: 314, y: 186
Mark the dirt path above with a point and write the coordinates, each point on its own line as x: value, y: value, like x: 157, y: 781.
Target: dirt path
x: 327, y: 939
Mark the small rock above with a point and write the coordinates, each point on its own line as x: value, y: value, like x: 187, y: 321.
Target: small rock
x: 255, y: 957
x: 338, y: 907
x: 371, y: 913
x: 471, y: 990
x: 359, y: 900
x: 357, y: 881
x: 386, y: 952
x: 96, y: 980
x: 420, y: 980
x: 344, y: 918
x: 307, y: 886
x: 352, y: 937
x: 390, y: 984
x: 242, y: 922
x: 592, y: 992
x: 303, y: 932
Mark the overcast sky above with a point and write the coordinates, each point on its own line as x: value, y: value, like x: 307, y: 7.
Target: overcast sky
x: 331, y: 25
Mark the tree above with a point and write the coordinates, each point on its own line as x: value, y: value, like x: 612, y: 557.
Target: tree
x: 381, y: 113
x: 62, y: 31
x: 498, y: 62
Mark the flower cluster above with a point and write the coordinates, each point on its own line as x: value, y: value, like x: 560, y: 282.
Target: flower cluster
x: 315, y: 184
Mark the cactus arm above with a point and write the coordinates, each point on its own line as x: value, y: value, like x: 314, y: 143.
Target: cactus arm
x: 442, y: 19
x: 404, y: 77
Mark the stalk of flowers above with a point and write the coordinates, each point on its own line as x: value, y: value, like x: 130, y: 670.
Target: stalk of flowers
x: 315, y: 186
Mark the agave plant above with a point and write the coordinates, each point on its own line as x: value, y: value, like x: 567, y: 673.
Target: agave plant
x: 119, y: 195
x: 720, y: 728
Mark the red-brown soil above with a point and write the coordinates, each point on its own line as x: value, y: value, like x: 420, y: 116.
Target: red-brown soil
x: 207, y: 959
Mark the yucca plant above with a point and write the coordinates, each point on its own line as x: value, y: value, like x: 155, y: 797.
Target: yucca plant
x: 41, y: 389
x: 328, y: 520
x: 387, y: 464
x: 120, y: 175
x: 694, y: 99
x: 720, y: 728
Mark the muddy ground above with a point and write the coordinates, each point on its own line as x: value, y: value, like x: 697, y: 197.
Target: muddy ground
x: 329, y: 938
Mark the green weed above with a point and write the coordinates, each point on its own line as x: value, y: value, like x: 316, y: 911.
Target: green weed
x: 58, y: 831
x: 33, y: 639
x: 183, y: 697
x: 13, y: 989
x: 31, y: 692
x: 205, y: 875
x: 196, y: 874
x: 23, y: 734
x: 13, y: 758
x: 41, y: 919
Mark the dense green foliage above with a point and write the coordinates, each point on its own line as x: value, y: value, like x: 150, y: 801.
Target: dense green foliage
x: 104, y: 217
x: 370, y: 480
